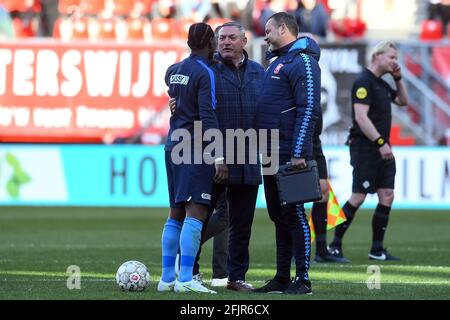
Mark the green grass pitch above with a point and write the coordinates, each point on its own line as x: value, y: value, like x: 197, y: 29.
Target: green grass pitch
x: 38, y: 244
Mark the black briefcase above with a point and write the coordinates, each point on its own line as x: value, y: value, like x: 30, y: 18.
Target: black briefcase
x: 298, y: 186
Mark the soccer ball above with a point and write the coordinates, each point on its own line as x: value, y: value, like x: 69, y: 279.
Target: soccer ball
x: 133, y: 276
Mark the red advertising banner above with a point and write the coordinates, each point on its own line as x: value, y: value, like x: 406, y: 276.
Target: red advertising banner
x: 83, y: 92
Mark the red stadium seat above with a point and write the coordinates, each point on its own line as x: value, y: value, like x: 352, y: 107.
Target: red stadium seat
x: 138, y: 28
x: 216, y: 22
x: 183, y: 27
x: 93, y: 7
x: 22, y: 30
x: 348, y: 27
x: 163, y: 29
x: 107, y: 29
x: 124, y: 7
x: 147, y: 6
x: 68, y: 6
x: 431, y: 30
x: 80, y: 28
x: 18, y: 5
x: 398, y: 139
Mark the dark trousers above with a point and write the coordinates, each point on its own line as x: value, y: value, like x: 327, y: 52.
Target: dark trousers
x: 217, y: 227
x: 241, y: 200
x: 292, y: 232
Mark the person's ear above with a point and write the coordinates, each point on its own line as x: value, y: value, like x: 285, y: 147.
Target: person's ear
x: 244, y: 40
x: 282, y: 28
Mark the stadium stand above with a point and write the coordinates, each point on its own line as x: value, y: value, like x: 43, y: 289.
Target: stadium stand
x: 216, y: 22
x: 124, y: 7
x: 138, y: 28
x: 66, y: 7
x: 183, y: 27
x: 92, y: 7
x: 431, y: 30
x: 163, y: 29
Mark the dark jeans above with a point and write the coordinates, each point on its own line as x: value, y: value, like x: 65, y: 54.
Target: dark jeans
x: 217, y: 227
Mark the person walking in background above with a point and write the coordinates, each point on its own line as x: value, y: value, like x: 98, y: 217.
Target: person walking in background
x: 370, y: 151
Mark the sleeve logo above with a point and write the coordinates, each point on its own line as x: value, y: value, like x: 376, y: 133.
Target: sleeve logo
x: 179, y: 79
x: 361, y: 93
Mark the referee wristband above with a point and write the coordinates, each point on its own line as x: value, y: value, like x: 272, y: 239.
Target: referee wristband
x: 398, y: 79
x: 380, y: 141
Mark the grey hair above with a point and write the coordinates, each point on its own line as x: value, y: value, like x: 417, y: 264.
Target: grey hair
x: 231, y: 24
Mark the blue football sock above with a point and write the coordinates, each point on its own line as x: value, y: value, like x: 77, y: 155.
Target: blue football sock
x: 170, y: 242
x: 191, y: 234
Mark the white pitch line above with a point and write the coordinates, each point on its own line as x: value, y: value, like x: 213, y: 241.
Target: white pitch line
x: 255, y: 281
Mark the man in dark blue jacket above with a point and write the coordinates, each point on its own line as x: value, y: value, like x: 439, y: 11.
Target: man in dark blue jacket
x: 290, y: 102
x: 239, y: 82
x: 238, y: 86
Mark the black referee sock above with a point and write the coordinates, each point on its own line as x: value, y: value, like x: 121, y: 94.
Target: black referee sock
x: 319, y: 218
x: 379, y: 224
x: 349, y: 212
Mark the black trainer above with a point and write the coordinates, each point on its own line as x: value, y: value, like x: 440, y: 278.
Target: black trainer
x: 273, y: 286
x: 327, y: 257
x: 382, y: 255
x: 299, y: 286
x: 337, y: 253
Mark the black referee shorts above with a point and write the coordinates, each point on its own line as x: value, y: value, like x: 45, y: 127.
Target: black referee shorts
x: 370, y: 171
x: 320, y: 159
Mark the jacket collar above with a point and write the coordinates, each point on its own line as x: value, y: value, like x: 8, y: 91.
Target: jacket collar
x: 301, y: 45
x: 203, y: 59
x: 279, y: 52
x: 228, y: 63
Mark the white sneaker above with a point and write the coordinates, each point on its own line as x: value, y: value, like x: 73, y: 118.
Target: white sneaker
x: 166, y: 286
x: 198, y: 278
x: 177, y: 264
x: 191, y: 286
x: 219, y: 282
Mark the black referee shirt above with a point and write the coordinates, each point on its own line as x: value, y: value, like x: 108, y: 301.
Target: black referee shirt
x: 370, y: 90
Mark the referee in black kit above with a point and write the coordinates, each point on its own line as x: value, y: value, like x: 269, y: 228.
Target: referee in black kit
x: 370, y: 151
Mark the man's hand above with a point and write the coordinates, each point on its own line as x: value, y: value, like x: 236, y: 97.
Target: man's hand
x: 298, y: 163
x: 221, y: 172
x: 396, y: 73
x: 386, y: 152
x: 172, y: 105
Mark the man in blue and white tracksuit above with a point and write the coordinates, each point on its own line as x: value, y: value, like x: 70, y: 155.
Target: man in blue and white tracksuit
x: 290, y: 102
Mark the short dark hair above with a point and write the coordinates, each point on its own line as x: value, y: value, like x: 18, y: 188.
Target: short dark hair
x: 287, y: 19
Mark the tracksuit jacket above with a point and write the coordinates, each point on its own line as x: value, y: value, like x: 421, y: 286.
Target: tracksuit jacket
x: 290, y: 97
x: 192, y: 82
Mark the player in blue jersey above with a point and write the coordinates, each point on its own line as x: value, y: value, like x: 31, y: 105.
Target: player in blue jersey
x: 191, y: 82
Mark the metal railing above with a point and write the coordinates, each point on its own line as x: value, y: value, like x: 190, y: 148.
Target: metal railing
x: 433, y: 110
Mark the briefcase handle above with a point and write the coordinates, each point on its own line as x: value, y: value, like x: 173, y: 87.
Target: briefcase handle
x: 287, y: 169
